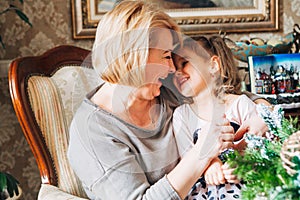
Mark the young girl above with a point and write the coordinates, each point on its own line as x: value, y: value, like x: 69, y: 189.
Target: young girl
x: 206, y: 71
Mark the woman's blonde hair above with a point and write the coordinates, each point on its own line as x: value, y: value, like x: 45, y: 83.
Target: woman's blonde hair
x: 123, y: 39
x: 229, y: 81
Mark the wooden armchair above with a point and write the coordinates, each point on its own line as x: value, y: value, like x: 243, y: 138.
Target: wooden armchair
x: 46, y: 90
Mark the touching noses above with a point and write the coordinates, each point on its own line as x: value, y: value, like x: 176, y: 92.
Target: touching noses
x: 172, y: 68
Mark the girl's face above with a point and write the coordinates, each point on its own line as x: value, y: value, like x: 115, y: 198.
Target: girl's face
x: 159, y: 64
x: 192, y: 75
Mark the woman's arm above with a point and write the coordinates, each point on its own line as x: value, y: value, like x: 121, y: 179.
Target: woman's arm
x: 256, y: 98
x: 195, y: 161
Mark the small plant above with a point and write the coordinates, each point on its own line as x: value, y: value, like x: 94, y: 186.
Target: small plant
x: 8, y: 186
x: 13, y: 8
x: 261, y: 166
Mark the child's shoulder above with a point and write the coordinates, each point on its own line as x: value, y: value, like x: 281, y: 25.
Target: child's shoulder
x: 182, y: 112
x: 240, y: 108
x: 184, y: 108
x: 238, y: 99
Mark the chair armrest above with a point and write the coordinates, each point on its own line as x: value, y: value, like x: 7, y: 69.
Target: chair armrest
x: 50, y: 192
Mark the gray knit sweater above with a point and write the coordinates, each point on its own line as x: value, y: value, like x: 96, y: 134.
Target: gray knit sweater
x: 117, y: 160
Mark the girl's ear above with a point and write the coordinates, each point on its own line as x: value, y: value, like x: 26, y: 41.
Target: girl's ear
x: 214, y: 64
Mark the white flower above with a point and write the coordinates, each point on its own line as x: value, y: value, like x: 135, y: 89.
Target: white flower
x: 263, y: 153
x: 277, y: 116
x: 254, y: 141
x: 273, y: 119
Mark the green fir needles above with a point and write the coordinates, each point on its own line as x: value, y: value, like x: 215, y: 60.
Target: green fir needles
x: 260, y: 166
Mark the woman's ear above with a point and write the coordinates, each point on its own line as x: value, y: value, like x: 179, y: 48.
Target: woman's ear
x: 214, y: 64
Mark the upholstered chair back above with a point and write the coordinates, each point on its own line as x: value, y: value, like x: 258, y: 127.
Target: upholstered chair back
x: 46, y: 92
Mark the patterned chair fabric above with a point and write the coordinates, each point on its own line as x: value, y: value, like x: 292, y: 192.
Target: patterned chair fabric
x: 53, y: 98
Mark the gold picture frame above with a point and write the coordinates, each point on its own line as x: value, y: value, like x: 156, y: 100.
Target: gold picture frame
x: 262, y: 16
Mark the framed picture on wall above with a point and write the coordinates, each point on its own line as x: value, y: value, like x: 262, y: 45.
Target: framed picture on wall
x: 193, y: 16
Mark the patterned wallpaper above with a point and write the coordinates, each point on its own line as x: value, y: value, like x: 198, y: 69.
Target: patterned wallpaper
x: 51, y: 27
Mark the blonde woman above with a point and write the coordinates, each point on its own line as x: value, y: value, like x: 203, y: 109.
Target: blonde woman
x: 121, y: 138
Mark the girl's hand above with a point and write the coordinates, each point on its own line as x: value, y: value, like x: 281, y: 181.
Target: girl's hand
x: 254, y: 125
x: 228, y: 174
x: 213, y: 174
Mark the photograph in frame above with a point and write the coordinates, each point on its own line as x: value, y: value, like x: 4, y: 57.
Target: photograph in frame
x: 274, y: 74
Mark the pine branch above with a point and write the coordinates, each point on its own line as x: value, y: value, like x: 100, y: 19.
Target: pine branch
x: 260, y: 165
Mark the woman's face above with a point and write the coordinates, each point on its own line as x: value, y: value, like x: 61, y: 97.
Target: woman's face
x: 192, y: 73
x: 159, y: 63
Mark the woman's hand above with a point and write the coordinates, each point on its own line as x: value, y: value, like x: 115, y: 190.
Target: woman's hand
x: 228, y: 174
x: 227, y: 135
x: 214, y: 139
x: 213, y: 174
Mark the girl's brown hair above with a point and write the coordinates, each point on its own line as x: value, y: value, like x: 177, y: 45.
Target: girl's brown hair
x: 229, y: 81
